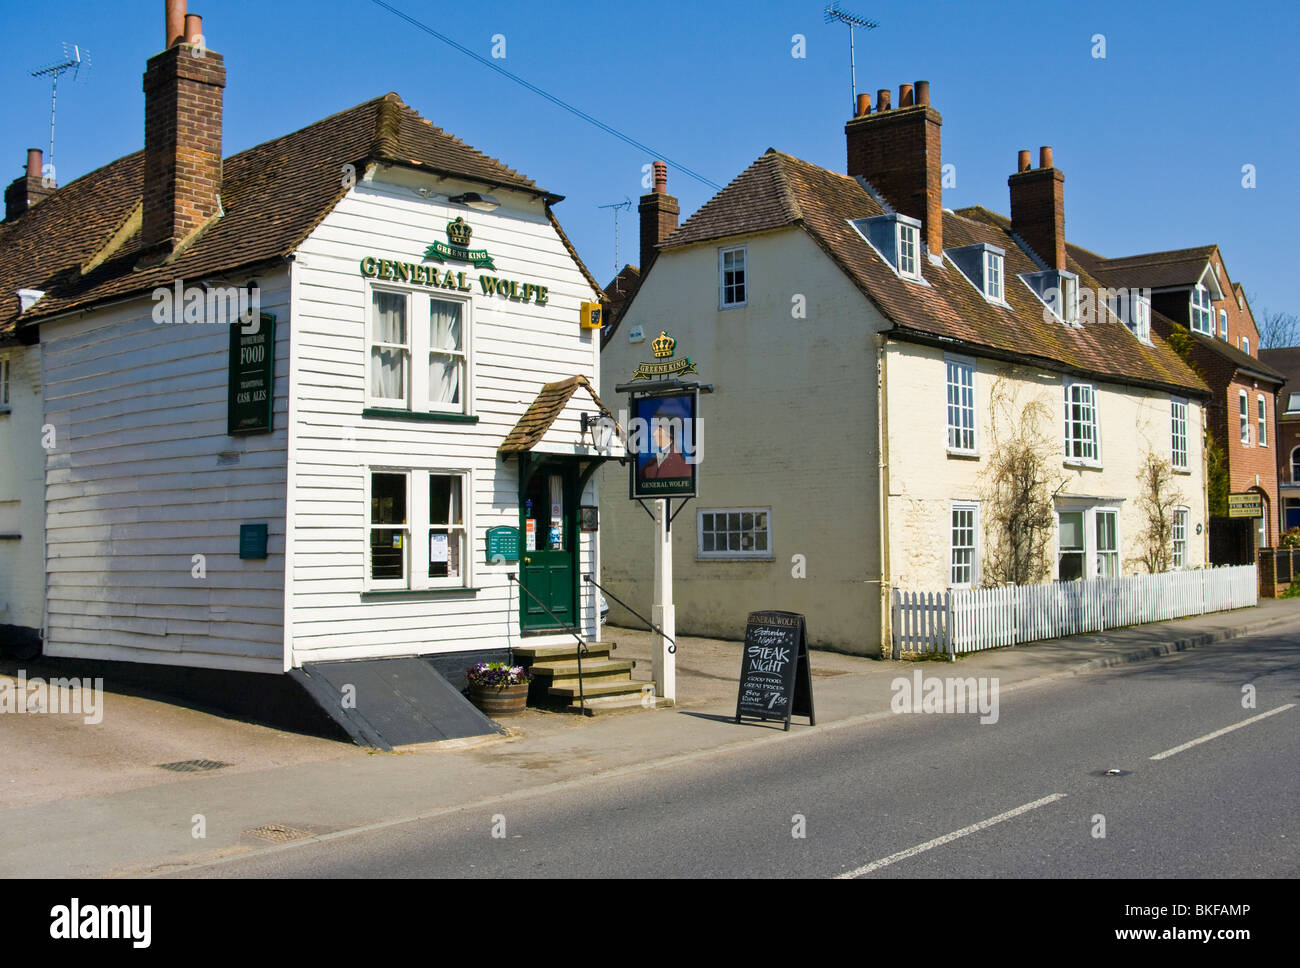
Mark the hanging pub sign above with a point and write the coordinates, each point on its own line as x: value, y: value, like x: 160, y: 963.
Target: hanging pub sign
x: 663, y: 439
x: 251, y: 392
x: 775, y: 678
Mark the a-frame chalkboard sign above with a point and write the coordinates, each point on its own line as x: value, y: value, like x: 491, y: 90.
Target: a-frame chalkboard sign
x: 775, y: 678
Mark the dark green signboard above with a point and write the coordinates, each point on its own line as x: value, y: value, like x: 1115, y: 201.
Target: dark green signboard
x: 252, y: 377
x: 252, y: 541
x: 502, y: 545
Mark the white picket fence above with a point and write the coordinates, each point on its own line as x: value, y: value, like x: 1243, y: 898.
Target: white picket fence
x: 970, y: 619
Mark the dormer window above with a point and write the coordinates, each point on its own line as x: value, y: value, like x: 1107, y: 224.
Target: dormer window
x: 983, y: 266
x: 1059, y: 292
x: 1133, y: 308
x: 993, y: 274
x: 897, y: 239
x: 1202, y: 311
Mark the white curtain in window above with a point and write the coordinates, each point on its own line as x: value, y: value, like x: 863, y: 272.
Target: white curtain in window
x: 388, y: 365
x: 444, y: 367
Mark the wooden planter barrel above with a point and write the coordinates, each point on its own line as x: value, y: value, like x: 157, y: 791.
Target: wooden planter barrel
x: 499, y: 700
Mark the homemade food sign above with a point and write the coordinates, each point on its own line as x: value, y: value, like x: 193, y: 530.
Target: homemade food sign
x: 455, y: 249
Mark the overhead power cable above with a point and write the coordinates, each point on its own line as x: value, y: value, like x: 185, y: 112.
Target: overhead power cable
x: 558, y: 102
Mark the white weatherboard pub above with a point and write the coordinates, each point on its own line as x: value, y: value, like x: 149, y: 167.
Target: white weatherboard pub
x: 319, y: 484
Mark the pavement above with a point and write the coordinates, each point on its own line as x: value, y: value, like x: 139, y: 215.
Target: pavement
x: 84, y: 801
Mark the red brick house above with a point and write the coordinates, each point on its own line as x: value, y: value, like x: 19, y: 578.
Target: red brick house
x: 1286, y: 360
x: 1192, y: 293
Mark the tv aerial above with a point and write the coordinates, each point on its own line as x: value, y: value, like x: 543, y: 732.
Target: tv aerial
x: 622, y: 206
x: 73, y: 61
x: 833, y: 13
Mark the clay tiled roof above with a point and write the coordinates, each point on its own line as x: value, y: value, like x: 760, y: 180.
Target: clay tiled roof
x: 1156, y: 270
x: 778, y: 191
x: 1241, y: 359
x: 537, y: 419
x: 81, y: 245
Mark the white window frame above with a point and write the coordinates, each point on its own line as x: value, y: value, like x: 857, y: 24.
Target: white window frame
x: 962, y: 366
x: 973, y: 579
x: 419, y: 349
x: 1243, y: 416
x: 723, y: 285
x: 1201, y: 311
x: 994, y: 276
x: 1245, y: 345
x: 1091, y: 553
x: 1097, y: 552
x: 1261, y: 409
x: 1223, y: 323
x: 1179, y: 529
x: 6, y: 372
x: 418, y: 528
x: 907, y: 236
x: 1140, y: 308
x: 1295, y: 465
x: 741, y: 555
x: 1178, y: 433
x: 1093, y: 460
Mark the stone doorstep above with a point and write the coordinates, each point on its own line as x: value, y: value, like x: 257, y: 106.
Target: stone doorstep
x: 621, y: 687
x: 533, y: 654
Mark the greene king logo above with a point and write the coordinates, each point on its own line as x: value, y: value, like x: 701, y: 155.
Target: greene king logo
x: 59, y: 695
x: 931, y: 694
x: 220, y: 305
x: 98, y: 922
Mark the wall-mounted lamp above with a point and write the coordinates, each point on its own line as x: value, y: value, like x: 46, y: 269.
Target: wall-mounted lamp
x: 480, y: 203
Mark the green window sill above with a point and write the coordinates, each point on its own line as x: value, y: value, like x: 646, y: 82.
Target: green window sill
x: 419, y: 416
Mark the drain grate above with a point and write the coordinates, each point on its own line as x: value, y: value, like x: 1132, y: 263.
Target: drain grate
x: 274, y: 833
x: 192, y: 766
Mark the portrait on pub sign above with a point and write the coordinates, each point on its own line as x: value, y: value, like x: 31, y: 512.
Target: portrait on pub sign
x: 665, y: 444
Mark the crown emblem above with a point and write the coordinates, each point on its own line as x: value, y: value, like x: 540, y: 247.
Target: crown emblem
x: 663, y: 345
x: 459, y: 233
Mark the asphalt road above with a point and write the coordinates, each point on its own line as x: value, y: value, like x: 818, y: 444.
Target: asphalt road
x: 918, y: 795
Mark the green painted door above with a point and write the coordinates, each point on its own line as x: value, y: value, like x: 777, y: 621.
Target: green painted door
x: 549, y: 559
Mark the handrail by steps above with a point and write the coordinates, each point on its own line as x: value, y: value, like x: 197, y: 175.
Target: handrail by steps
x: 582, y: 645
x: 672, y: 646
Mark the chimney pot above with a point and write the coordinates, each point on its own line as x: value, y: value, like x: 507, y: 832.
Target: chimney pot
x: 1022, y: 163
x: 905, y: 95
x: 193, y: 29
x: 922, y: 92
x: 864, y: 105
x: 35, y: 158
x: 900, y: 155
x: 1045, y: 157
x: 659, y: 212
x: 174, y: 22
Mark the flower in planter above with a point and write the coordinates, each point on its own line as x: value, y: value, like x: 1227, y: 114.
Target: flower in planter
x: 496, y: 675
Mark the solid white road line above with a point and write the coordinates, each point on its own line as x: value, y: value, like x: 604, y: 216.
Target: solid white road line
x: 1226, y: 729
x: 948, y: 838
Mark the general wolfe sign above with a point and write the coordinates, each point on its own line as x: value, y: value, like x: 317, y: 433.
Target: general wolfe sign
x: 455, y: 250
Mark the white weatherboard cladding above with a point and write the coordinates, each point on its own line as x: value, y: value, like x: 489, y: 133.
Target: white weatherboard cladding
x: 136, y: 486
x: 516, y: 348
x: 22, y: 485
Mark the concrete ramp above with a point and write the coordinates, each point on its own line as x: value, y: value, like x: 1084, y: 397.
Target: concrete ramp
x: 392, y: 702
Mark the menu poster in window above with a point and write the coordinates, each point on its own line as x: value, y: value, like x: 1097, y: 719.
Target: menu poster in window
x: 775, y: 677
x: 531, y: 534
x: 438, y: 549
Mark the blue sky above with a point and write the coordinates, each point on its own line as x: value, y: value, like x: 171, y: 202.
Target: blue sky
x: 1152, y: 138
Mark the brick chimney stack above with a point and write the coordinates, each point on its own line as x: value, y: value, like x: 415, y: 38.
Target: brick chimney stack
x: 659, y: 212
x: 29, y: 189
x: 1038, y: 207
x: 897, y: 151
x: 182, y: 133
